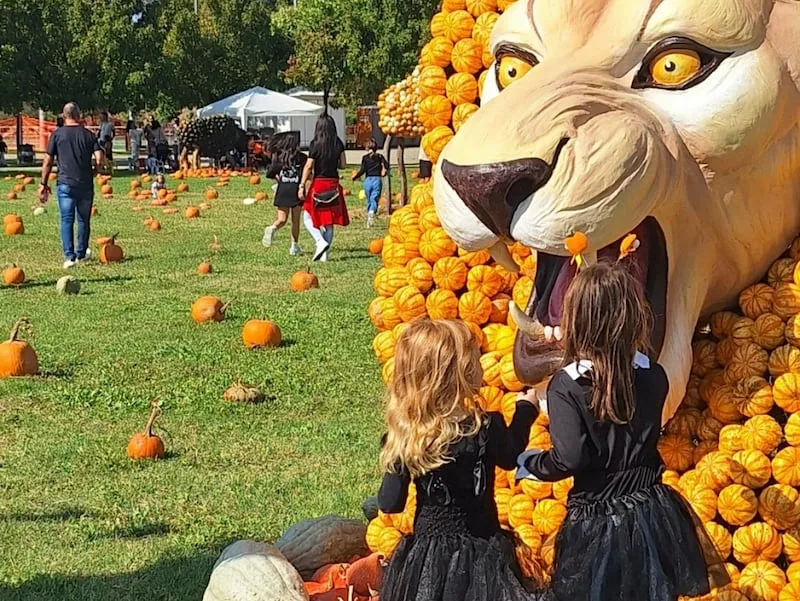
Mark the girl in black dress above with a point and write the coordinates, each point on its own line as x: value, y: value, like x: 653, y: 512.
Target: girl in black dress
x: 286, y: 167
x: 626, y: 536
x: 438, y: 437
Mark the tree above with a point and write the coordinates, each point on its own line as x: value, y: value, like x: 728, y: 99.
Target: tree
x: 353, y: 49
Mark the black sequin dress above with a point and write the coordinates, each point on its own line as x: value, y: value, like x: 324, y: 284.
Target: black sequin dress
x: 458, y: 551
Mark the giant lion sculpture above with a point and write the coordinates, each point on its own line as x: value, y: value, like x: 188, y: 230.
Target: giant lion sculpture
x: 678, y: 120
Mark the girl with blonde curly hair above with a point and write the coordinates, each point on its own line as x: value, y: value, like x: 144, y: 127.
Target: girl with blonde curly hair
x: 438, y: 436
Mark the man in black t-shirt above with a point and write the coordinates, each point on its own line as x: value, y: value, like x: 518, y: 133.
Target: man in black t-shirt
x: 74, y: 145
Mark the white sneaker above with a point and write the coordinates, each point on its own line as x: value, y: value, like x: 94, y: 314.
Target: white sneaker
x: 269, y: 234
x: 69, y: 264
x: 370, y: 219
x: 295, y: 251
x: 321, y: 251
x: 87, y: 256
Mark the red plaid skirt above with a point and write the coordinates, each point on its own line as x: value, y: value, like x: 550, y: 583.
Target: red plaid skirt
x: 334, y: 213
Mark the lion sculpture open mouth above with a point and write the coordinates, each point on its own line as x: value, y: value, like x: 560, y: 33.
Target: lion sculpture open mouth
x: 677, y: 120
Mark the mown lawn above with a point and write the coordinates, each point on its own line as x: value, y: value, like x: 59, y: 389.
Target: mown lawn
x: 78, y: 519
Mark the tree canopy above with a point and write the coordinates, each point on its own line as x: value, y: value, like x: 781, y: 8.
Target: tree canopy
x: 158, y: 55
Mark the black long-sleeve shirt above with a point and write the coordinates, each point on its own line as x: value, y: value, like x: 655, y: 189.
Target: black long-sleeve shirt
x: 372, y: 165
x: 503, y: 446
x: 606, y: 459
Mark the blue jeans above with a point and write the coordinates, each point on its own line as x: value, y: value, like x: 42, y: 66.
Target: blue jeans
x: 74, y: 201
x: 372, y: 188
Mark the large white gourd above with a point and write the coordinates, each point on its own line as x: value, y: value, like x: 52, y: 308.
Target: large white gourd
x: 252, y: 571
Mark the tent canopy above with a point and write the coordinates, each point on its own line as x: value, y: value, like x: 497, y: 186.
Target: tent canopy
x: 260, y: 102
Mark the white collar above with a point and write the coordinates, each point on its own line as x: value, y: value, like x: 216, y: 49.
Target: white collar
x: 580, y: 368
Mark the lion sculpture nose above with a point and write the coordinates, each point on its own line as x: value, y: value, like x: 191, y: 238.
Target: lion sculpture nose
x: 494, y: 191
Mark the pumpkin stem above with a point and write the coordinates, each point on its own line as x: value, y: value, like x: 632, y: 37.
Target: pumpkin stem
x: 225, y: 307
x: 22, y: 323
x: 113, y: 238
x: 148, y: 429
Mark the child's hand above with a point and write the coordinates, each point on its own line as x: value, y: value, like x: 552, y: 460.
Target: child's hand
x: 529, y: 395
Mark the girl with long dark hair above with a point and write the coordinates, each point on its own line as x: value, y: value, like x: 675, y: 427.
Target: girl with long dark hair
x: 626, y: 535
x: 324, y: 205
x: 286, y: 167
x: 374, y: 166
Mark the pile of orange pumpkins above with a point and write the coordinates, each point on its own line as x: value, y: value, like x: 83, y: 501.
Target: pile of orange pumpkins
x: 449, y: 77
x: 732, y: 449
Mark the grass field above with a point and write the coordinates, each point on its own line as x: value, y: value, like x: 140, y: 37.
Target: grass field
x: 78, y: 519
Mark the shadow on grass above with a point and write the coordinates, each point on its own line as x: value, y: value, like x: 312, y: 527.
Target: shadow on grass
x: 50, y: 283
x: 173, y: 579
x: 59, y: 515
x: 141, y: 531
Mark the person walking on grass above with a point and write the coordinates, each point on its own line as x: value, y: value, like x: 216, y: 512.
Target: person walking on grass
x: 286, y: 166
x: 74, y: 146
x: 439, y: 438
x: 323, y: 206
x: 626, y: 535
x: 374, y: 166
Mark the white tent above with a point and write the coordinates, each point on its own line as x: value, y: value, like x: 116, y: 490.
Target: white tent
x: 262, y: 104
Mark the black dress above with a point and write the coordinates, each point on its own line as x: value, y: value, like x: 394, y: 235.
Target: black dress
x: 458, y: 551
x: 288, y: 181
x: 626, y: 536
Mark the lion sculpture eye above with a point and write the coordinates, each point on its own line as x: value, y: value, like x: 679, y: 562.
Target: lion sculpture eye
x: 512, y: 64
x: 677, y: 64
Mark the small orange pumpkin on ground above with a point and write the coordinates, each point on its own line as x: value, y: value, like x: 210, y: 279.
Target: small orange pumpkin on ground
x: 155, y: 225
x: 183, y: 187
x: 162, y: 193
x: 110, y: 252
x: 146, y: 445
x: 93, y: 212
x: 14, y: 228
x: 191, y: 213
x: 17, y: 357
x: 106, y: 189
x: 204, y: 268
x: 260, y: 196
x: 208, y: 308
x: 11, y: 196
x: 255, y: 180
x: 13, y: 276
x: 259, y: 333
x: 304, y: 280
x: 376, y: 246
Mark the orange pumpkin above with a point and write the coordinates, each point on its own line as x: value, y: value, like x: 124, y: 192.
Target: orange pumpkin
x: 715, y: 470
x: 784, y: 359
x: 13, y: 228
x: 676, y: 452
x: 786, y: 300
x: 467, y: 56
x: 781, y: 272
x: 756, y: 300
x: 432, y: 81
x: 520, y: 510
x: 435, y: 140
x: 211, y: 194
x: 146, y: 445
x: 442, y: 304
x: 111, y: 252
x: 389, y: 280
x: 791, y: 430
x: 704, y: 502
x: 730, y: 436
x: 480, y: 7
x: 762, y: 433
x: 720, y: 537
x: 410, y: 303
x: 17, y: 357
x: 484, y: 279
x: 461, y: 113
x: 748, y: 360
x: 260, y: 333
x: 438, y: 24
x: 437, y: 52
x: 792, y: 331
x: 482, y: 30
x: 475, y: 307
x: 768, y: 331
x: 204, y: 268
x: 450, y: 273
x: 458, y: 25
x: 755, y: 397
x: 762, y: 581
x: 420, y: 274
x: 786, y: 466
x: 376, y: 246
x: 106, y: 189
x: 191, y: 212
x: 742, y: 331
x: 435, y: 111
x: 303, y: 280
x: 547, y: 516
x: 751, y: 468
x: 756, y: 542
x: 435, y: 244
x: 183, y: 187
x: 208, y: 308
x: 786, y: 392
x: 791, y: 544
x: 779, y: 506
x: 13, y: 276
x: 462, y: 88
x: 255, y: 180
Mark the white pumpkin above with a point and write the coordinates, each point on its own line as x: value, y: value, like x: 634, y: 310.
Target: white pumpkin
x: 68, y: 284
x: 249, y: 570
x: 249, y: 201
x: 39, y: 211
